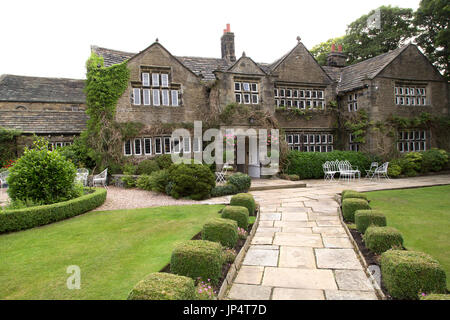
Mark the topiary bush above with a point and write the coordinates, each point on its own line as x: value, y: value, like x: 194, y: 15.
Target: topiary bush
x: 191, y: 180
x: 394, y: 168
x: 345, y: 191
x: 224, y: 190
x: 244, y: 200
x: 241, y: 181
x: 354, y: 194
x: 366, y: 218
x: 411, y: 163
x: 198, y: 259
x: 42, y: 176
x: 238, y: 214
x: 405, y: 274
x: 308, y: 165
x: 221, y: 230
x: 147, y: 167
x: 434, y: 160
x: 163, y: 286
x: 350, y: 205
x: 381, y: 239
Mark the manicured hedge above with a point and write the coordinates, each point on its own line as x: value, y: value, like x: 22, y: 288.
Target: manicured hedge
x: 221, y: 230
x: 198, y: 258
x: 244, y: 200
x: 223, y: 190
x: 407, y: 273
x: 20, y: 219
x: 381, y: 239
x: 308, y: 165
x: 241, y: 181
x: 366, y: 218
x: 354, y: 194
x: 349, y: 206
x: 238, y: 214
x: 435, y: 296
x: 164, y: 286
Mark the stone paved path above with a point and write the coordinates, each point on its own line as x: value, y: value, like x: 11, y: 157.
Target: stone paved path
x: 301, y: 250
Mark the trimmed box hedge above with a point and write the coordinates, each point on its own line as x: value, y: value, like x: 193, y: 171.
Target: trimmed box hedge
x: 435, y: 296
x: 366, y: 218
x: 406, y: 274
x: 198, y: 258
x: 164, y: 286
x: 244, y: 200
x: 21, y: 219
x: 351, y: 205
x: 381, y: 239
x: 238, y: 214
x: 354, y: 194
x: 221, y: 230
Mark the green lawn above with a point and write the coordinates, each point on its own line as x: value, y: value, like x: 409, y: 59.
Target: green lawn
x: 114, y: 249
x: 422, y: 216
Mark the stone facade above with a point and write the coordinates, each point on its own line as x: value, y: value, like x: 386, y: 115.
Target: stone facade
x: 194, y: 88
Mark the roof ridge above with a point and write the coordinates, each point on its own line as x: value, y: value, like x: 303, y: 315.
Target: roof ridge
x: 4, y: 76
x: 400, y: 49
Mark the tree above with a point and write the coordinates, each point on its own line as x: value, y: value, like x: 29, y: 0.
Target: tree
x: 432, y: 20
x: 321, y: 50
x: 362, y: 41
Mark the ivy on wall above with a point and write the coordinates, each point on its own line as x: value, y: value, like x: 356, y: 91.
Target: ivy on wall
x: 8, y: 145
x: 104, y: 87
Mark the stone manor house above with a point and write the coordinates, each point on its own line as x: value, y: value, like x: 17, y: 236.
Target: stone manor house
x: 165, y: 88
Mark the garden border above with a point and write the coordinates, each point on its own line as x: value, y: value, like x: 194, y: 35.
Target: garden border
x: 378, y: 290
x: 236, y: 265
x: 22, y: 219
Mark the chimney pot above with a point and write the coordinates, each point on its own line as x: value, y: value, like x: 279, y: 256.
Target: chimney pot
x: 333, y: 47
x: 228, y: 27
x: 340, y: 48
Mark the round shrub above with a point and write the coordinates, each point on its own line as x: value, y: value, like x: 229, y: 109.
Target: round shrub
x: 198, y: 258
x: 411, y: 163
x: 407, y: 273
x: 191, y: 180
x: 349, y: 206
x: 158, y: 180
x: 147, y: 167
x: 394, y: 169
x: 143, y: 182
x: 42, y: 176
x: 434, y: 160
x: 241, y: 181
x: 345, y: 191
x: 381, y: 239
x: 163, y: 286
x: 224, y: 190
x: 244, y: 200
x: 220, y: 230
x: 354, y: 194
x: 366, y: 218
x: 238, y: 214
x: 164, y: 161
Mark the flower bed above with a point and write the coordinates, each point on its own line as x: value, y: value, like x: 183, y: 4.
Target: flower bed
x: 21, y: 219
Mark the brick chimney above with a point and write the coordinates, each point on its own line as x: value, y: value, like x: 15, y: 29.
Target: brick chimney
x: 227, y: 44
x: 336, y: 58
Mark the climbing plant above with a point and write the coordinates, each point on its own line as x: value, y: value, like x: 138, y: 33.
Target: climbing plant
x: 8, y: 145
x: 104, y: 87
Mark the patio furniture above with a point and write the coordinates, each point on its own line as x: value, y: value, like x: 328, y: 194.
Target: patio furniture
x: 347, y: 172
x: 329, y: 170
x: 220, y: 175
x: 3, y: 176
x: 101, y: 178
x: 370, y: 172
x: 381, y: 171
x: 82, y: 176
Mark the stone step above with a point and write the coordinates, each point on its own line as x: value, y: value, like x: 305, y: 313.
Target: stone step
x: 278, y: 186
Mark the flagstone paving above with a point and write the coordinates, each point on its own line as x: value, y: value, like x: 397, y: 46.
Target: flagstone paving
x: 301, y: 251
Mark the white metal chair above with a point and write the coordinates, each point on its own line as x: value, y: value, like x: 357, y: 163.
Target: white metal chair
x: 329, y: 170
x: 347, y: 172
x: 82, y: 176
x: 3, y: 176
x: 381, y: 171
x: 220, y: 175
x: 370, y: 172
x: 100, y: 178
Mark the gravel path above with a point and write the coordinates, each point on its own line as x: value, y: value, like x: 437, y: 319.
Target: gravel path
x: 119, y: 198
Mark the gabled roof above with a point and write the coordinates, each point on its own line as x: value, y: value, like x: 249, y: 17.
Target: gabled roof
x: 352, y: 77
x: 38, y: 89
x: 63, y: 122
x: 201, y: 66
x: 230, y: 68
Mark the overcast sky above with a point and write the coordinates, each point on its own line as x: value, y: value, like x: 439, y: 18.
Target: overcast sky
x: 52, y: 38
